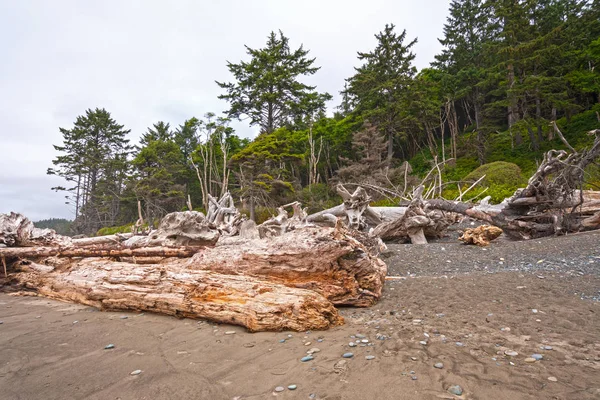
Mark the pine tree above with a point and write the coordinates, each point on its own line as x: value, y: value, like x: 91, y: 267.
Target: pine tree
x: 94, y: 161
x: 267, y: 88
x: 380, y: 90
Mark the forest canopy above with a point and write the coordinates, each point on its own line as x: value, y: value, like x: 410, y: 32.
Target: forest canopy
x: 508, y: 70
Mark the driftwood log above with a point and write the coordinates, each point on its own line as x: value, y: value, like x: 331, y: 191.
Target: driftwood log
x: 174, y: 290
x: 417, y: 222
x: 480, y: 236
x: 330, y: 261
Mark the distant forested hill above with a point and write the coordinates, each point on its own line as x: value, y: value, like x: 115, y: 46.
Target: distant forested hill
x: 60, y: 225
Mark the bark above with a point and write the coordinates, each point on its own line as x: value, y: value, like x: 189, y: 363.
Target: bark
x: 37, y: 252
x: 330, y: 261
x: 177, y: 291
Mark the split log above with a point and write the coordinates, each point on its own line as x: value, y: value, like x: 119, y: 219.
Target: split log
x: 177, y: 291
x: 329, y: 261
x: 480, y: 236
x: 39, y: 252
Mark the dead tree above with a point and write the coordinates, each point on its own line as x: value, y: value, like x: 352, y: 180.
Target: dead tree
x: 552, y: 203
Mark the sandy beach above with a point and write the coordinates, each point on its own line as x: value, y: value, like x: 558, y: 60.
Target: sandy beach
x: 479, y: 312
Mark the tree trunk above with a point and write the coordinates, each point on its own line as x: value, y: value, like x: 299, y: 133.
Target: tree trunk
x: 177, y: 291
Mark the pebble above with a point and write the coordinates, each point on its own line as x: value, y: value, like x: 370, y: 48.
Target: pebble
x: 414, y: 378
x: 534, y: 311
x: 123, y: 316
x: 552, y: 379
x: 307, y: 343
x: 460, y: 344
x: 438, y: 365
x: 74, y: 322
x: 312, y: 396
x: 537, y: 357
x: 136, y: 372
x: 530, y: 360
x: 279, y: 389
x: 282, y: 341
x: 365, y: 341
x: 307, y: 358
x: 507, y: 329
x: 424, y: 343
x: 292, y: 387
x: 456, y: 390
x: 1, y: 322
x: 547, y: 347
x: 511, y: 353
x: 109, y: 346
x: 359, y: 336
x: 290, y: 336
x: 370, y: 357
x: 352, y: 344
x: 414, y: 358
x: 313, y: 350
x: 348, y: 355
x: 230, y: 333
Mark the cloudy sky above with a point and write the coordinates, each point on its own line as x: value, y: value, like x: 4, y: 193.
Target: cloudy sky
x: 146, y: 61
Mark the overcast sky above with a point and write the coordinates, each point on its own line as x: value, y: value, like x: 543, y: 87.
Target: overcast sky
x: 146, y: 61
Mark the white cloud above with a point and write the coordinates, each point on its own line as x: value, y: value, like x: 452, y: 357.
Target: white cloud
x: 146, y: 61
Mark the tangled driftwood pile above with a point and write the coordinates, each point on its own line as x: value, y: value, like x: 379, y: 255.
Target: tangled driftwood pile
x: 290, y: 281
x: 289, y: 272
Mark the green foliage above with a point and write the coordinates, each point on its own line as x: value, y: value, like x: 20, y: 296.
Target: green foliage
x: 498, y: 173
x: 267, y: 88
x: 60, y: 225
x: 93, y: 161
x: 111, y: 230
x: 318, y: 197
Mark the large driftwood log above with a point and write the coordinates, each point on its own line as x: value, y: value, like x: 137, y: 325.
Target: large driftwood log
x: 329, y: 261
x: 175, y: 290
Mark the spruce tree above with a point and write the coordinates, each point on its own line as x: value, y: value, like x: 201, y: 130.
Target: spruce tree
x: 268, y: 90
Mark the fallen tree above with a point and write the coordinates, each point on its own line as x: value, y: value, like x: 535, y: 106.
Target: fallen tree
x: 552, y: 203
x: 174, y: 290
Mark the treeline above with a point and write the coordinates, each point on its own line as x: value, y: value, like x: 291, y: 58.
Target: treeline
x: 507, y: 70
x: 62, y: 226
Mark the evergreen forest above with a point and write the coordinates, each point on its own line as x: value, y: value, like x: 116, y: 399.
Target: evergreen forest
x: 511, y: 74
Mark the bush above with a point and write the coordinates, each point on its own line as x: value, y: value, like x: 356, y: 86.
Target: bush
x: 498, y: 173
